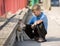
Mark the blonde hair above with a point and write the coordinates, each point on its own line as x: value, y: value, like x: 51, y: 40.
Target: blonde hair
x: 36, y: 7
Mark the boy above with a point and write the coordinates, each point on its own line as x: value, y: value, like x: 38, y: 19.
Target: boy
x: 38, y: 20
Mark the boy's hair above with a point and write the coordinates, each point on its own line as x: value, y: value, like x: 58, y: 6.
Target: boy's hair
x: 36, y: 7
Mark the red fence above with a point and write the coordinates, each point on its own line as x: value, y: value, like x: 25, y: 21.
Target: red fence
x: 11, y: 6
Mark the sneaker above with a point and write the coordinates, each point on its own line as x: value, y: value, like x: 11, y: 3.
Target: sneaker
x: 36, y: 38
x: 41, y: 40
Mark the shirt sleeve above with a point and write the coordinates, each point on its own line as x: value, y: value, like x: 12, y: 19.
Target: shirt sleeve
x: 31, y: 21
x: 45, y: 21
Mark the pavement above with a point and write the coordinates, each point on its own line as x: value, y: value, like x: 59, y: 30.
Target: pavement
x: 53, y: 36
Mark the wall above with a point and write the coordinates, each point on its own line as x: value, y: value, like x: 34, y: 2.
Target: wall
x: 11, y: 6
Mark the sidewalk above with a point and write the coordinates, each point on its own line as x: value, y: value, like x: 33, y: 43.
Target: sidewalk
x: 54, y: 14
x: 53, y: 36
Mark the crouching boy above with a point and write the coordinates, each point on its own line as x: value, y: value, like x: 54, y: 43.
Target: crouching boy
x: 38, y: 23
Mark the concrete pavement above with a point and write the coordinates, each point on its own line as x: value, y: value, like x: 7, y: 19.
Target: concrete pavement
x: 53, y: 36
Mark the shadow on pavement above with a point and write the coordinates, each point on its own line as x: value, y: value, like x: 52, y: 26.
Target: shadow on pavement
x: 53, y: 39
x: 27, y: 43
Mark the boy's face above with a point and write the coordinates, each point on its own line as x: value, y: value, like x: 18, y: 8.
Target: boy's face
x: 37, y: 12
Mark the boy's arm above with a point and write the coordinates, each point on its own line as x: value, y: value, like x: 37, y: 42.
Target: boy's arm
x: 38, y: 22
x: 31, y: 21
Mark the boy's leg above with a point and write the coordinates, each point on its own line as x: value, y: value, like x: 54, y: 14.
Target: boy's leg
x: 36, y: 35
x: 28, y: 31
x: 40, y: 31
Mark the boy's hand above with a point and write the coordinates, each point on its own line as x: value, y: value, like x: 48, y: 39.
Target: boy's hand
x: 38, y: 22
x: 32, y: 25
